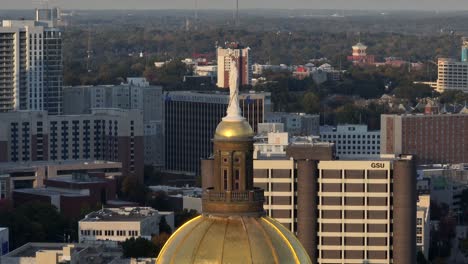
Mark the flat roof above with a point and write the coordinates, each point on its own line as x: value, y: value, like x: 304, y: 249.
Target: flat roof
x: 49, y: 192
x: 123, y: 214
x: 72, y: 179
x: 15, y: 166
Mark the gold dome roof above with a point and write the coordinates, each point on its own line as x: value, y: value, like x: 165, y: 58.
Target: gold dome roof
x: 235, y: 239
x: 233, y: 130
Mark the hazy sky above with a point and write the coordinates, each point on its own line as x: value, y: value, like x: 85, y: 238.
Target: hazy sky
x: 224, y: 4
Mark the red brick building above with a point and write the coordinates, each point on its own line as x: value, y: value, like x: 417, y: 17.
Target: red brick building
x: 432, y: 138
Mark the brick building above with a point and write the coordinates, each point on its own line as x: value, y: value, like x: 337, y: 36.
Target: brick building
x: 433, y: 139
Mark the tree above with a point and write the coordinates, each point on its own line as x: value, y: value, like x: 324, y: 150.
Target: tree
x: 183, y: 216
x: 164, y: 226
x: 139, y: 248
x: 134, y: 191
x: 420, y: 259
x: 311, y: 103
x: 159, y: 241
x: 411, y: 92
x: 33, y: 221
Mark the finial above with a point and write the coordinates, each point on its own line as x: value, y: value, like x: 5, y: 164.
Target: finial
x: 233, y: 112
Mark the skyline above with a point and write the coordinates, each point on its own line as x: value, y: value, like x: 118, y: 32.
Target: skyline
x: 423, y: 5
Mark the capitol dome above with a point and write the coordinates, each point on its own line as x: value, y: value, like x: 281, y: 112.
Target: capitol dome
x: 235, y: 239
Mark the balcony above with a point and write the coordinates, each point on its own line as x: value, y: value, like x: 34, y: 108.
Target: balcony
x: 234, y: 196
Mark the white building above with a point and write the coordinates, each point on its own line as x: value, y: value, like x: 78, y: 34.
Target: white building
x: 4, y: 241
x: 296, y: 124
x: 423, y: 229
x: 352, y: 141
x: 206, y: 70
x: 31, y: 66
x: 112, y: 225
x: 274, y: 144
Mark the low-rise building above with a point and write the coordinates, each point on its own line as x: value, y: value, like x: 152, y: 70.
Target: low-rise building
x: 352, y: 141
x: 4, y: 241
x: 55, y: 253
x: 71, y: 194
x: 113, y: 225
x: 23, y: 175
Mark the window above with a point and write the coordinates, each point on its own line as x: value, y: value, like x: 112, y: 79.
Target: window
x: 419, y: 221
x: 418, y: 230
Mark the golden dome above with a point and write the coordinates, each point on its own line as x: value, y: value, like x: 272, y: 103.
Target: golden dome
x: 235, y: 239
x: 233, y: 130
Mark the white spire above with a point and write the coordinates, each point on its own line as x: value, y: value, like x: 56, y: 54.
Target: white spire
x: 233, y: 112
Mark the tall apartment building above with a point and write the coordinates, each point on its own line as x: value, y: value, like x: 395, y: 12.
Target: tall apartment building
x: 242, y: 57
x: 191, y: 119
x: 296, y: 124
x: 433, y: 139
x: 31, y: 66
x: 135, y: 94
x: 112, y: 135
x: 343, y: 211
x: 352, y: 141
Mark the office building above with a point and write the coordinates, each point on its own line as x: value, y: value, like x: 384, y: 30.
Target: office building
x: 191, y: 118
x: 296, y: 124
x: 271, y: 144
x: 31, y: 65
x: 4, y: 241
x: 112, y: 225
x: 423, y: 225
x: 71, y: 194
x: 342, y: 211
x: 137, y: 94
x: 33, y: 174
x: 5, y: 186
x: 433, y: 139
x: 234, y: 51
x: 106, y: 134
x: 452, y: 75
x: 352, y: 141
x: 56, y: 253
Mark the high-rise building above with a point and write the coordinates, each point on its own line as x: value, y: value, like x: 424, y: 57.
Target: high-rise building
x: 136, y: 93
x: 343, y: 211
x: 31, y: 66
x: 191, y: 118
x: 464, y: 52
x: 106, y: 134
x: 438, y: 138
x: 243, y: 61
x: 423, y: 229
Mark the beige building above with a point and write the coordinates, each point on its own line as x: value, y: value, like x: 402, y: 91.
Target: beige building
x: 452, y: 75
x: 423, y: 229
x: 343, y: 211
x: 112, y: 225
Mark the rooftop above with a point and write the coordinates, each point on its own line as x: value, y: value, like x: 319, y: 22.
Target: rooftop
x: 120, y: 214
x: 50, y: 192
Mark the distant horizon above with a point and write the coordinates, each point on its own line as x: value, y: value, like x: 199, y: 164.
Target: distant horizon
x: 351, y: 5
